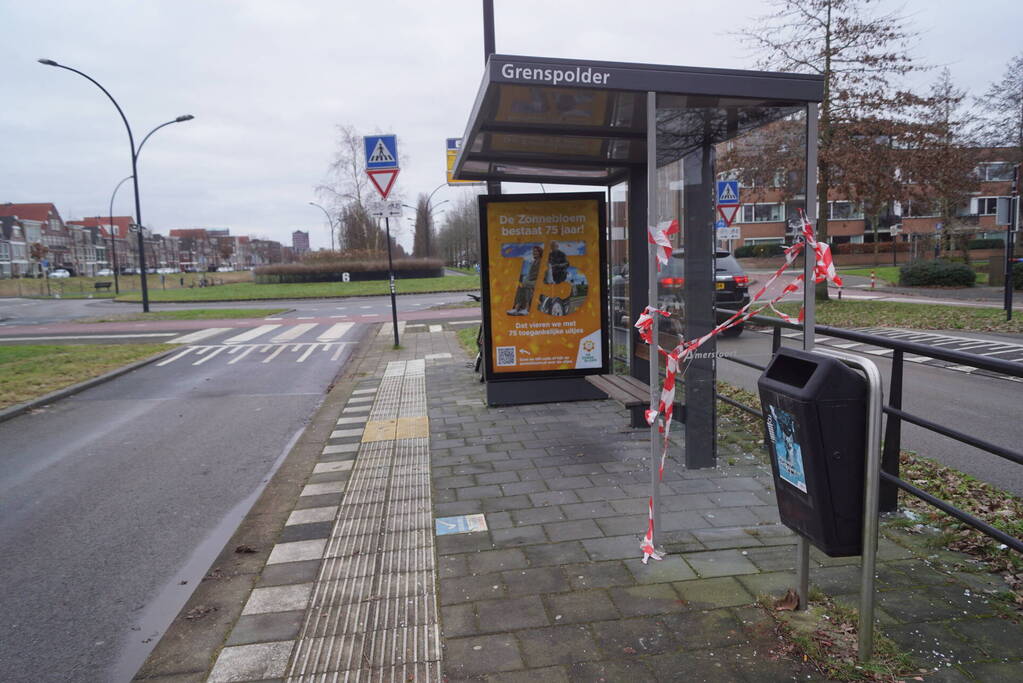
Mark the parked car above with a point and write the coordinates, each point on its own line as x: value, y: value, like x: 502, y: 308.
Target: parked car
x: 225, y: 269
x: 166, y: 270
x: 59, y: 273
x: 730, y: 282
x: 104, y: 272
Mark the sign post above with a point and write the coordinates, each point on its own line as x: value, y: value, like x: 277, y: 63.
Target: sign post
x: 727, y: 198
x: 382, y: 169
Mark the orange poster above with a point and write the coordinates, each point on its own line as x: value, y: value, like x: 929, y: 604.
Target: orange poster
x: 543, y: 284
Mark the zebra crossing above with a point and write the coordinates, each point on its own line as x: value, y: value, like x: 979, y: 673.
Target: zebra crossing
x: 259, y: 353
x: 984, y: 347
x: 277, y: 342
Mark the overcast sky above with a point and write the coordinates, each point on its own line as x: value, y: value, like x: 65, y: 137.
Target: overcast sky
x: 268, y: 81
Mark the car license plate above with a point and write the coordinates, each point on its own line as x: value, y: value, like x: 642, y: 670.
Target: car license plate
x: 719, y: 285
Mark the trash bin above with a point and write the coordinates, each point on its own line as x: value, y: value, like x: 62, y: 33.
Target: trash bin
x: 815, y: 421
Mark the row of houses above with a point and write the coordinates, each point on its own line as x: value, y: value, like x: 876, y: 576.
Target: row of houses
x: 34, y: 239
x: 763, y: 216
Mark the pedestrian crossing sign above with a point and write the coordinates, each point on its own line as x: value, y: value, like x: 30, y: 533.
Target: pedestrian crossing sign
x: 381, y: 151
x: 728, y: 192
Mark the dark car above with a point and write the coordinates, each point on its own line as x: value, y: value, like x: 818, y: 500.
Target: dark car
x: 730, y: 281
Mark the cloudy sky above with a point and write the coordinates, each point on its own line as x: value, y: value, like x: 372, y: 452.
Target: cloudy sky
x: 269, y: 80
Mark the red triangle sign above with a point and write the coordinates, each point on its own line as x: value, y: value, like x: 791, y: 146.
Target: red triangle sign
x: 728, y: 213
x: 383, y: 179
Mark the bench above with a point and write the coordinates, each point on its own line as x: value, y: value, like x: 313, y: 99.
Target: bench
x: 102, y: 285
x: 632, y: 393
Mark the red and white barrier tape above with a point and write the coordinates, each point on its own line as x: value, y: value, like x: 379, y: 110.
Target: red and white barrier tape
x: 824, y: 269
x: 659, y: 235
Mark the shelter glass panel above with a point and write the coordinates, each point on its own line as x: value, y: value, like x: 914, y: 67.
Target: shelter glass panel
x: 700, y: 141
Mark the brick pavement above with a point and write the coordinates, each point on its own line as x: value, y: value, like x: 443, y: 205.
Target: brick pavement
x: 554, y: 589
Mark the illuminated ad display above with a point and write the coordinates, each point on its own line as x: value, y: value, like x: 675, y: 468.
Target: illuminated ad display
x: 544, y: 290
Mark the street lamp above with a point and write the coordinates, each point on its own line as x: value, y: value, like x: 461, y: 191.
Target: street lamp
x: 134, y: 169
x: 330, y: 221
x: 113, y: 244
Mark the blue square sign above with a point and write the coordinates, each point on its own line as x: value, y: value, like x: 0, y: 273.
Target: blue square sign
x: 728, y: 192
x: 381, y: 151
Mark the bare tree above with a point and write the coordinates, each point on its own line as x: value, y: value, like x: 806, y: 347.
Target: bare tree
x: 458, y: 239
x: 860, y: 56
x: 1003, y: 105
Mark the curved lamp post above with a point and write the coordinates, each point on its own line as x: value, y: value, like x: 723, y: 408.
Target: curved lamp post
x: 113, y: 244
x: 134, y: 169
x: 330, y: 222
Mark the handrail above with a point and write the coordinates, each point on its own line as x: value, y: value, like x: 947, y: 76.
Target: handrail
x: 889, y: 474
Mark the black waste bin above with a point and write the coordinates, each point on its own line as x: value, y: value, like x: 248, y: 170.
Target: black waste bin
x: 815, y: 421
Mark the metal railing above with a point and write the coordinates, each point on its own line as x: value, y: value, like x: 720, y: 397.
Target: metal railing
x: 890, y: 481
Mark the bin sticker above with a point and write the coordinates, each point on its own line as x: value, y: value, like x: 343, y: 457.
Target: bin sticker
x: 781, y: 427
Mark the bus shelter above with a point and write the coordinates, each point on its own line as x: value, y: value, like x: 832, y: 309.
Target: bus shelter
x: 656, y: 139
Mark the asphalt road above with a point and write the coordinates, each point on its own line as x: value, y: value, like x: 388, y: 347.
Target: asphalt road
x: 985, y: 407
x: 114, y: 502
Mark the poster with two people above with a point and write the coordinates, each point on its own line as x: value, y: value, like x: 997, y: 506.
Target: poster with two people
x: 543, y: 284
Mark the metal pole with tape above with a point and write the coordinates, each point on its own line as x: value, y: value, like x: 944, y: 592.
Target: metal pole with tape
x: 651, y: 219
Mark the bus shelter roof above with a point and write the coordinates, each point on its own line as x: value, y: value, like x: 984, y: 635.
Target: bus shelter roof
x: 579, y: 122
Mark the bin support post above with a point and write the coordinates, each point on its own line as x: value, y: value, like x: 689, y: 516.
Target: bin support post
x: 871, y: 498
x: 655, y: 374
x: 809, y: 321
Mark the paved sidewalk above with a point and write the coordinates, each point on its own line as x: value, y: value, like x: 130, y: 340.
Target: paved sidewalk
x: 359, y: 587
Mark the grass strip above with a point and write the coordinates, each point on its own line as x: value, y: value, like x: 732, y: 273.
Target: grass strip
x: 915, y: 316
x: 28, y: 372
x: 467, y: 338
x: 826, y: 636
x: 249, y: 291
x: 189, y: 314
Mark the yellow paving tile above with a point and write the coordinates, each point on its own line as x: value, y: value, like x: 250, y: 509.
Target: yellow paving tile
x: 413, y: 427
x: 379, y: 430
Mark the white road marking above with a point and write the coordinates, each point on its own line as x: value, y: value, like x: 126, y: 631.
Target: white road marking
x: 243, y: 354
x: 312, y: 347
x: 174, y: 358
x: 335, y: 332
x: 436, y: 328
x: 915, y: 359
x: 293, y: 332
x: 274, y: 354
x: 249, y: 335
x: 365, y: 307
x: 212, y: 355
x: 337, y: 354
x: 962, y: 368
x: 307, y: 317
x: 200, y: 335
x: 878, y: 352
x: 845, y: 346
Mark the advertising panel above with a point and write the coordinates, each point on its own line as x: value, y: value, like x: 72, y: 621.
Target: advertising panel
x: 544, y: 288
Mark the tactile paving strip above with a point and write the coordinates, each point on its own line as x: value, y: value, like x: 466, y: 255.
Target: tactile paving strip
x: 373, y: 612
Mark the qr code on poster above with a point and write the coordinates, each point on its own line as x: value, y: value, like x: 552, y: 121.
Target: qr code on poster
x: 505, y: 356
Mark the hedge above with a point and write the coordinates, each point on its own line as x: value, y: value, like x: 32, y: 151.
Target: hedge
x: 936, y: 274
x: 358, y: 270
x: 987, y: 243
x: 1017, y: 275
x: 759, y: 250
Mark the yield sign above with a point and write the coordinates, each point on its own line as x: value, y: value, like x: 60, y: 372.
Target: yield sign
x: 383, y: 180
x: 728, y: 213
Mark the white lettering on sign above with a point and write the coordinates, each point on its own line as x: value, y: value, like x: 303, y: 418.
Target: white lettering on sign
x: 579, y: 75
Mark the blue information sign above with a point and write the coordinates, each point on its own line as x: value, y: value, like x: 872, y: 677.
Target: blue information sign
x: 381, y: 151
x: 728, y: 192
